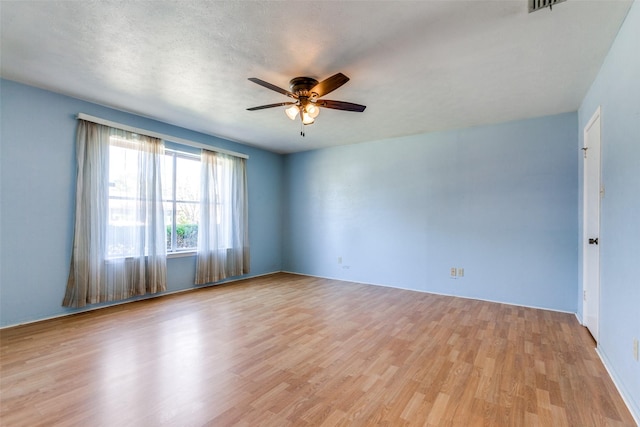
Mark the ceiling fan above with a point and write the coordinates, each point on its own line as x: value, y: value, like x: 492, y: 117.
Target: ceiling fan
x: 307, y: 92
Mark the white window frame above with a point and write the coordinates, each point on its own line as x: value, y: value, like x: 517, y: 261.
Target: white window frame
x: 168, y: 138
x: 175, y: 252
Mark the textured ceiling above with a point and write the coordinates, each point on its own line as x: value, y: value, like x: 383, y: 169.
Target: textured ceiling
x: 418, y: 66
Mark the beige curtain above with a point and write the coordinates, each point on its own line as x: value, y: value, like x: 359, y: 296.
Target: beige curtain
x: 119, y: 235
x: 223, y: 232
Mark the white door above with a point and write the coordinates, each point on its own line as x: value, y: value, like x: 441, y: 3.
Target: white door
x: 591, y: 212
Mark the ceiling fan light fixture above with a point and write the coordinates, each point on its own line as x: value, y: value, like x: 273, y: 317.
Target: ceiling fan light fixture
x: 306, y: 118
x: 292, y: 112
x: 312, y: 110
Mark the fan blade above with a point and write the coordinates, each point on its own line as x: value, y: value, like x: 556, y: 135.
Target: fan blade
x: 262, y: 107
x: 273, y: 87
x: 329, y: 85
x: 340, y: 105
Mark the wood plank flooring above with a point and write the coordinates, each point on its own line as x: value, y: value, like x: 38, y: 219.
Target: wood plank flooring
x: 288, y: 350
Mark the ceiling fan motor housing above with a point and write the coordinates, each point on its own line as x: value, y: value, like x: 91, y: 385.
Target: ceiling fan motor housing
x: 301, y: 85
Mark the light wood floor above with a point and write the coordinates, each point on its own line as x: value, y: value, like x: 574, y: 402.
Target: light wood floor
x: 287, y: 350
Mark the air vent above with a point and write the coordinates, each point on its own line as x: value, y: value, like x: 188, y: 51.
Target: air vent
x: 541, y: 4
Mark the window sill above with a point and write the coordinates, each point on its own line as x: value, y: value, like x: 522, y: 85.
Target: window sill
x: 181, y: 254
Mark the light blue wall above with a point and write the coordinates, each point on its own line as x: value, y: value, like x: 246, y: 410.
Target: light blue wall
x: 499, y: 201
x: 617, y: 91
x: 37, y: 173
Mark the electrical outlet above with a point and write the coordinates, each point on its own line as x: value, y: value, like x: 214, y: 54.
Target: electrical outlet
x: 635, y: 349
x: 584, y: 295
x: 339, y: 260
x: 460, y: 272
x: 452, y: 272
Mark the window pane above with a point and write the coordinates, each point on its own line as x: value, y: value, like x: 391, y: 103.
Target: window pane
x: 187, y: 218
x: 168, y: 222
x: 123, y: 222
x: 187, y: 179
x: 181, y: 193
x: 123, y: 229
x: 123, y: 172
x: 167, y: 177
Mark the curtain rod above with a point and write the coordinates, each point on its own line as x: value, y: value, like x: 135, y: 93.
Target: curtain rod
x: 165, y: 137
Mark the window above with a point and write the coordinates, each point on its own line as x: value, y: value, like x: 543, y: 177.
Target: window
x: 125, y: 221
x: 137, y: 199
x: 181, y: 196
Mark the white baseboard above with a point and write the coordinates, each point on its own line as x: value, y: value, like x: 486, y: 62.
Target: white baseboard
x: 635, y: 411
x: 432, y: 292
x: 134, y: 299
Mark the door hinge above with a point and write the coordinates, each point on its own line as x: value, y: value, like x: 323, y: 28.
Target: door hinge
x: 584, y: 150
